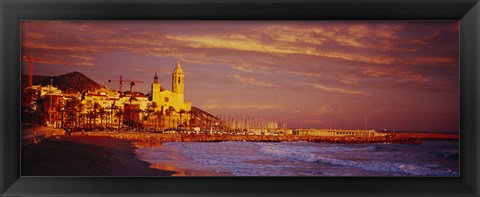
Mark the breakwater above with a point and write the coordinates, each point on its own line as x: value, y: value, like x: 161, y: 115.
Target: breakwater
x: 159, y: 138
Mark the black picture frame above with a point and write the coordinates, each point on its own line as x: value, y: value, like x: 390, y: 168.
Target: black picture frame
x: 13, y: 11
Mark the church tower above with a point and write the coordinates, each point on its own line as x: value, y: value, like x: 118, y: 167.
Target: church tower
x: 177, y: 79
x: 155, y: 88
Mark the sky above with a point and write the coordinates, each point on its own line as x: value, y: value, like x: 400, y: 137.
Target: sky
x: 398, y: 75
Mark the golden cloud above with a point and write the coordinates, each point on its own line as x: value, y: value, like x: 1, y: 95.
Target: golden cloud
x: 339, y: 90
x: 252, y: 81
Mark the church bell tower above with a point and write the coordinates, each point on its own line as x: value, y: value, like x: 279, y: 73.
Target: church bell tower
x: 155, y: 88
x: 177, y: 79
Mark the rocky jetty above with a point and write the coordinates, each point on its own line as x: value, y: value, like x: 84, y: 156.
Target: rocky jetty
x: 159, y: 138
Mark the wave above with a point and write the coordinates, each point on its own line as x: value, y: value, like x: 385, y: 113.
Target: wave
x: 302, y: 159
x: 453, y: 155
x: 323, y: 155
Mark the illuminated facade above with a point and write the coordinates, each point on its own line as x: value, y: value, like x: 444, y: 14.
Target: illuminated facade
x: 171, y: 103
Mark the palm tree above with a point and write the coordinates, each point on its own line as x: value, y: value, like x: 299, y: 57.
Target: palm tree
x: 187, y: 122
x: 96, y: 107
x: 137, y: 114
x: 40, y: 109
x: 90, y: 115
x: 102, y: 114
x: 119, y: 116
x: 73, y: 107
x: 170, y: 111
x: 182, y: 111
x: 159, y: 117
x: 81, y: 118
x: 79, y: 111
x: 153, y: 106
x: 112, y: 109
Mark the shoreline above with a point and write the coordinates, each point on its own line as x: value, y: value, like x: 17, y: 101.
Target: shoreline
x: 85, y: 156
x: 171, y: 167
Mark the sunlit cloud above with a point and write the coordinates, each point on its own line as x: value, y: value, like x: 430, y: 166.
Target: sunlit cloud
x: 347, y: 78
x: 394, y: 74
x: 240, y: 106
x: 82, y: 57
x: 322, y: 110
x: 434, y: 60
x: 305, y: 74
x: 63, y: 63
x: 252, y: 81
x: 44, y: 46
x: 242, y: 68
x: 33, y: 35
x: 256, y: 46
x: 339, y: 90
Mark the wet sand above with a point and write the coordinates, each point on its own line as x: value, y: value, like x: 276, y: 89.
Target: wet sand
x: 171, y: 167
x: 85, y: 156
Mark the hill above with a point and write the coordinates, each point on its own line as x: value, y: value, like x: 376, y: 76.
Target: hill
x: 69, y: 83
x: 35, y: 79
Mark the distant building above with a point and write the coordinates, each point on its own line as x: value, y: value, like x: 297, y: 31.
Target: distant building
x: 335, y: 132
x: 50, y: 90
x: 272, y: 125
x: 171, y: 103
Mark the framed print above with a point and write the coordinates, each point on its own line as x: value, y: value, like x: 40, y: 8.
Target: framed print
x: 284, y: 98
x: 240, y: 98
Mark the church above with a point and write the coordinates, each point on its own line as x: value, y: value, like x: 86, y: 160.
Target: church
x: 171, y: 104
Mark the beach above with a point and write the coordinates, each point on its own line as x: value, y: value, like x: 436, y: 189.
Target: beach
x: 89, y: 154
x: 84, y: 156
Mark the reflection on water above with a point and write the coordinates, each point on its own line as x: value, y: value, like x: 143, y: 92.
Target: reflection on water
x: 183, y: 172
x: 172, y: 154
x: 146, y: 144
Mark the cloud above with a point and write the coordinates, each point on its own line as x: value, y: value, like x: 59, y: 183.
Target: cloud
x: 305, y: 74
x: 347, y: 78
x: 378, y: 72
x: 252, y: 81
x: 321, y: 52
x: 46, y: 46
x: 396, y: 75
x: 243, y: 68
x: 339, y: 90
x: 322, y: 110
x: 81, y: 57
x: 33, y: 35
x: 436, y: 60
x: 239, y: 106
x: 253, y: 45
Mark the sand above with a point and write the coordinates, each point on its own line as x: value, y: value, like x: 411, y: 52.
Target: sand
x: 84, y: 156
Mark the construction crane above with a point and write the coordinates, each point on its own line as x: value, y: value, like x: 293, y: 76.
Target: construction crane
x: 120, y: 82
x: 30, y: 60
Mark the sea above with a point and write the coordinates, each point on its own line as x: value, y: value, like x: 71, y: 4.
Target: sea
x: 431, y: 158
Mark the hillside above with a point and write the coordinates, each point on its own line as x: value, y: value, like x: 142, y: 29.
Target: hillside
x: 36, y: 79
x: 69, y: 83
x: 201, y: 118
